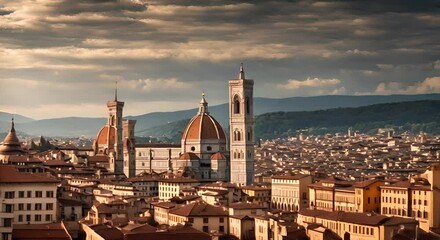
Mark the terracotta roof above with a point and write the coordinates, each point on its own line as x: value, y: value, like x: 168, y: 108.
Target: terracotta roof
x: 171, y: 233
x: 199, y: 209
x: 9, y: 174
x: 245, y: 205
x: 370, y: 219
x: 58, y: 163
x: 107, y: 232
x: 289, y: 177
x: 179, y: 180
x: 218, y: 156
x: 189, y: 156
x: 51, y: 231
x: 364, y: 184
x: 203, y: 126
x: 105, y: 133
x: 23, y: 159
x: 98, y: 159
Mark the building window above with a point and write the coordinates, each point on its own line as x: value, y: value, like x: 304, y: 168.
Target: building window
x: 29, y: 194
x: 191, y: 220
x: 28, y: 218
x: 7, y: 222
x: 205, y: 220
x: 248, y: 107
x: 221, y: 229
x: 193, y: 148
x: 20, y: 206
x: 49, y: 206
x: 205, y: 229
x: 20, y: 218
x: 236, y: 105
x: 49, y: 194
x: 38, y: 194
x: 37, y: 218
x: 28, y: 206
x: 21, y: 194
x: 48, y: 217
x: 37, y: 206
x: 9, y: 195
x: 221, y: 220
x: 209, y: 148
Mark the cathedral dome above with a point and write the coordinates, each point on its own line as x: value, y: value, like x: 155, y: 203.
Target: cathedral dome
x: 203, y: 126
x: 107, y: 135
x: 11, y: 144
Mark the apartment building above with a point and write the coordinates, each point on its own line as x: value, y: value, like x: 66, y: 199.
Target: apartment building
x: 258, y: 195
x: 171, y: 187
x: 418, y: 198
x: 332, y: 194
x: 25, y: 198
x: 367, y: 195
x: 202, y: 216
x: 355, y: 226
x: 290, y: 193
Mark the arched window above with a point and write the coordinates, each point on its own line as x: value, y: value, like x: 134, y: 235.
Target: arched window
x: 236, y: 105
x: 249, y: 136
x: 248, y: 107
x: 238, y: 136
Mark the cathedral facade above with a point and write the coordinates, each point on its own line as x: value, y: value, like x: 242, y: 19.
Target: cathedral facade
x: 205, y: 151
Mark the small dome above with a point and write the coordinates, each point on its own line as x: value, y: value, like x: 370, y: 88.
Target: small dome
x: 218, y: 156
x: 189, y: 156
x: 11, y: 144
x: 106, y: 135
x: 203, y: 125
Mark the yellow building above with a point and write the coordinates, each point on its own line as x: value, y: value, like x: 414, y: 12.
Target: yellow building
x: 258, y: 195
x: 202, y: 216
x: 290, y: 193
x: 367, y: 195
x: 419, y: 198
x: 355, y: 226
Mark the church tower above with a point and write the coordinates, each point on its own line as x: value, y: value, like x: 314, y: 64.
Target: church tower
x: 115, y: 121
x: 129, y: 148
x: 241, y: 123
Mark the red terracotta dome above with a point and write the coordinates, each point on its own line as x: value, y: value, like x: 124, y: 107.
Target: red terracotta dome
x: 203, y: 126
x: 106, y: 135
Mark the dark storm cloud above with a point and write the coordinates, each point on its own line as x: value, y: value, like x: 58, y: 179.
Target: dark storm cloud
x: 295, y: 47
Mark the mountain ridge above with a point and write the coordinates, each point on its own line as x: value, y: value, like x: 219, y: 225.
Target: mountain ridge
x: 89, y: 127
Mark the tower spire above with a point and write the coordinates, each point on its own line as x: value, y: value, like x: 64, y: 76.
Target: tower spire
x: 241, y: 75
x: 116, y: 91
x: 12, y: 124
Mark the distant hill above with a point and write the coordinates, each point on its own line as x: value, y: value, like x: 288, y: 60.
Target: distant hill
x: 404, y: 116
x: 146, y: 123
x: 6, y: 117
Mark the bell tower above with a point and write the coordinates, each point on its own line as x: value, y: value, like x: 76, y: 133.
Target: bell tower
x: 241, y: 123
x: 115, y: 108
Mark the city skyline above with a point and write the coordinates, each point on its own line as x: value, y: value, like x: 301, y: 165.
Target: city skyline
x: 62, y: 58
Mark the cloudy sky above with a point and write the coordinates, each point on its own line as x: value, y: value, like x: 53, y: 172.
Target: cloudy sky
x: 61, y: 58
